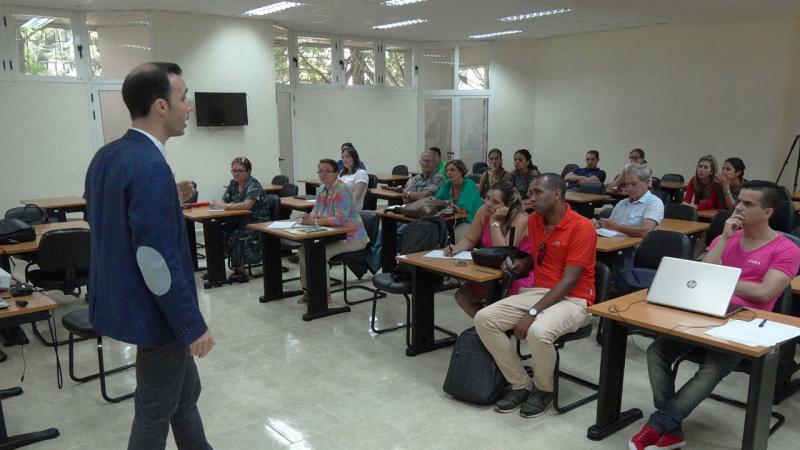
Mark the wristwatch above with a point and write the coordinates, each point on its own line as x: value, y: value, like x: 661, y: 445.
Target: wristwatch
x: 495, y: 224
x: 533, y: 312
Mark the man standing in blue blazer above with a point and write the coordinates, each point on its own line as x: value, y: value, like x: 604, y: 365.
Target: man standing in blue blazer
x: 141, y: 277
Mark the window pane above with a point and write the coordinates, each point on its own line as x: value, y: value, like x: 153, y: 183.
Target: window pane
x: 280, y: 42
x: 437, y: 68
x: 44, y: 45
x: 314, y: 58
x: 438, y: 125
x: 118, y: 42
x: 474, y: 118
x: 359, y: 62
x: 398, y: 66
x: 473, y: 68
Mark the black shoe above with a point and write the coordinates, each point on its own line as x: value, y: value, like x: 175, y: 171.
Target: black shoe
x: 238, y: 277
x: 511, y: 401
x: 204, y: 276
x: 19, y: 335
x: 3, y: 356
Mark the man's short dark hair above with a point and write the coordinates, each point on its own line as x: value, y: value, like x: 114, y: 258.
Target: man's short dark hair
x: 146, y: 84
x: 771, y: 194
x: 595, y: 153
x: 554, y: 181
x: 437, y: 151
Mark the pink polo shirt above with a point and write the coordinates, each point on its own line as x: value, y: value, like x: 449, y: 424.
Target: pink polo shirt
x: 780, y: 253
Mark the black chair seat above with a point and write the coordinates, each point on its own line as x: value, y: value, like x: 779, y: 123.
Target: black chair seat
x: 580, y: 333
x: 77, y: 322
x: 342, y: 257
x: 52, y: 281
x: 386, y: 283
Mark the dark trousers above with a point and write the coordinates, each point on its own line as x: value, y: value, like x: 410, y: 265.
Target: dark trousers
x: 167, y: 389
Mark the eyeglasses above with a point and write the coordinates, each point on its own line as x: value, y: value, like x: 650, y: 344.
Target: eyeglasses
x: 426, y: 161
x: 238, y: 171
x: 540, y: 254
x: 322, y: 172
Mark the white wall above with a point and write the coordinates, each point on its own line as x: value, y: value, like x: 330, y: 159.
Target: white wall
x: 45, y: 140
x: 677, y: 92
x: 381, y: 124
x: 221, y: 54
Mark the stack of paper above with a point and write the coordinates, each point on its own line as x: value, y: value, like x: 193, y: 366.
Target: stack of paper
x: 465, y: 255
x: 605, y: 232
x: 754, y: 334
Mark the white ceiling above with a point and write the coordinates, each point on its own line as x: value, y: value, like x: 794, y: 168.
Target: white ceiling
x: 454, y: 20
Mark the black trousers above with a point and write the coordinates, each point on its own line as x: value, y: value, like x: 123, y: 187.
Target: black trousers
x: 167, y: 389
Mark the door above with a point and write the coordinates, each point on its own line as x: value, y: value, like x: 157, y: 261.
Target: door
x: 285, y: 113
x: 111, y: 116
x: 438, y: 125
x: 473, y: 130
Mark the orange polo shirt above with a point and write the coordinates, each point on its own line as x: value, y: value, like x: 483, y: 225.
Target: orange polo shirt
x: 572, y: 242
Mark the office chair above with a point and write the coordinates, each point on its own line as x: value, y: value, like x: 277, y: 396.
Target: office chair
x: 356, y: 259
x: 479, y: 167
x: 680, y: 212
x: 567, y: 169
x: 282, y: 180
x: 592, y: 188
x: 370, y: 201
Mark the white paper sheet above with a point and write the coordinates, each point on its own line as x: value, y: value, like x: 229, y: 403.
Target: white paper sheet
x: 750, y: 333
x: 605, y: 232
x: 216, y: 209
x: 465, y: 255
x: 281, y: 224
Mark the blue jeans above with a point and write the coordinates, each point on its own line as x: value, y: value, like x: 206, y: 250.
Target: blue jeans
x: 673, y: 407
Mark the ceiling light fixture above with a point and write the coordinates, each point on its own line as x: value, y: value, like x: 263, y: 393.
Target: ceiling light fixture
x: 401, y: 2
x: 491, y: 35
x: 273, y: 8
x: 404, y: 23
x: 533, y: 15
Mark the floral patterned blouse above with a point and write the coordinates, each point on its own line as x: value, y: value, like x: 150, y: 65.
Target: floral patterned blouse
x: 339, y: 205
x: 252, y: 191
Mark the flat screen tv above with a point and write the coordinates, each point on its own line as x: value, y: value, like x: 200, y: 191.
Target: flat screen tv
x: 220, y: 109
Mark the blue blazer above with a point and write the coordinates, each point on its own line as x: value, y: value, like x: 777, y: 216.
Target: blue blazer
x: 141, y: 282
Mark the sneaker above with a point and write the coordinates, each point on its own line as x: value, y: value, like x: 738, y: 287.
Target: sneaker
x: 511, y: 401
x: 536, y: 404
x: 644, y: 439
x: 667, y: 441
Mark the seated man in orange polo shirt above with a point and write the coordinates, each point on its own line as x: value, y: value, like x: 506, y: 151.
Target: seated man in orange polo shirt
x: 563, y: 244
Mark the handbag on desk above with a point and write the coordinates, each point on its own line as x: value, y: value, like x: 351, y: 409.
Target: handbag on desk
x: 423, y: 207
x: 13, y: 231
x: 494, y: 256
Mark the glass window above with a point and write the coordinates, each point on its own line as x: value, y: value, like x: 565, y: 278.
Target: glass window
x: 474, y: 117
x: 473, y: 68
x: 439, y: 125
x: 118, y: 41
x: 437, y: 68
x: 280, y: 45
x: 399, y: 66
x: 359, y: 62
x: 44, y: 45
x: 314, y: 58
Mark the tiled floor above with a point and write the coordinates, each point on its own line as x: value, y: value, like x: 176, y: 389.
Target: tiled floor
x: 274, y: 381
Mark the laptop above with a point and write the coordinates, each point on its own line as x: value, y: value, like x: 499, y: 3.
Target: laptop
x: 695, y: 286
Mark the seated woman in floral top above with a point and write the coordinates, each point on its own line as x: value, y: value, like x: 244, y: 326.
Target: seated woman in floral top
x: 334, y: 207
x: 243, y: 192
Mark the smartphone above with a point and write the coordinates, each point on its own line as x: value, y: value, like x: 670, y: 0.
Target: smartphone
x: 460, y: 263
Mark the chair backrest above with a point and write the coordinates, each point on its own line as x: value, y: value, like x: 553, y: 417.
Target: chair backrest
x: 605, y: 213
x: 30, y: 214
x: 660, y: 243
x: 370, y: 201
x: 273, y: 204
x: 680, y: 212
x: 672, y: 177
x: 480, y: 167
x: 371, y: 222
x: 783, y: 218
x: 655, y: 183
x: 567, y: 169
x: 474, y: 177
x: 195, y: 194
x: 602, y: 280
x: 663, y: 195
x: 592, y: 188
x: 64, y: 250
x: 400, y: 169
x: 717, y: 225
x: 280, y: 179
x: 288, y: 190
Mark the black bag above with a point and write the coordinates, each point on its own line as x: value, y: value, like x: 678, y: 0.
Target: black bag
x: 494, y: 256
x: 428, y: 233
x: 635, y: 279
x: 473, y: 375
x: 13, y: 231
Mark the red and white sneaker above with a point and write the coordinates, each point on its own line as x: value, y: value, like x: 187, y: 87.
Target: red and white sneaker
x: 644, y: 439
x: 667, y: 441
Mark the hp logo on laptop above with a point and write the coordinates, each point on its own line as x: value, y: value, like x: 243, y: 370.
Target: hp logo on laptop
x: 691, y: 284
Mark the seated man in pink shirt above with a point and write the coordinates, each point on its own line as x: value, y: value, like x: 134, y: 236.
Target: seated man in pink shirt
x: 769, y: 261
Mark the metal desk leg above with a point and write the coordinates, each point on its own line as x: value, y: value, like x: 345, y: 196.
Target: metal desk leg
x: 388, y: 244
x: 5, y: 262
x: 273, y: 275
x: 316, y: 283
x: 612, y: 370
x: 422, y: 320
x: 215, y: 254
x: 8, y: 442
x: 759, y: 401
x: 192, y: 235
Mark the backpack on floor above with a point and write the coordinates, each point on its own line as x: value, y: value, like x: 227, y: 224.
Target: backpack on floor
x: 473, y: 375
x: 428, y: 233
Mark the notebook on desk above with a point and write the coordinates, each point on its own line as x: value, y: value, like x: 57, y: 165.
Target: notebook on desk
x: 695, y: 286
